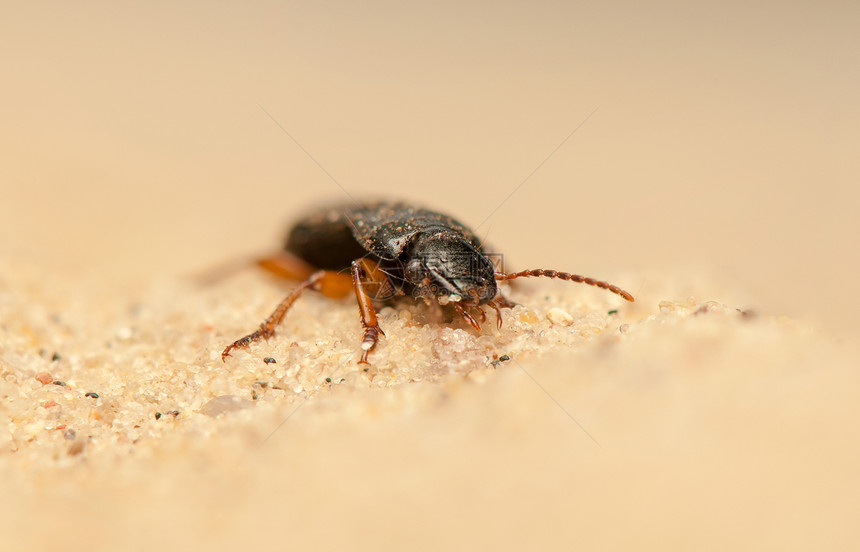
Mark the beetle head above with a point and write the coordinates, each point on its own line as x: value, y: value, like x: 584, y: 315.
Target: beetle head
x: 451, y: 267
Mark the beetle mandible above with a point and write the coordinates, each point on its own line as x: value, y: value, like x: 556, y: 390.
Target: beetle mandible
x: 383, y: 250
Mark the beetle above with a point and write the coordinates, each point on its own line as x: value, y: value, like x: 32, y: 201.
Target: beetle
x: 384, y: 250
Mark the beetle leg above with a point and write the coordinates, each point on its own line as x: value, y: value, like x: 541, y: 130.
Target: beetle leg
x: 503, y: 302
x: 467, y: 317
x: 483, y: 314
x: 377, y: 281
x: 285, y: 265
x: 368, y: 315
x: 496, y: 306
x: 316, y: 281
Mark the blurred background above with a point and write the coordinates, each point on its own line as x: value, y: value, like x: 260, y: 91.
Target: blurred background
x: 715, y: 139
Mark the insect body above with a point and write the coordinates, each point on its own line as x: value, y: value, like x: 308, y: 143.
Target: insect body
x: 384, y: 250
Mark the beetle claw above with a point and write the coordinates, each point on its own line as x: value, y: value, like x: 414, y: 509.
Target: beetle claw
x: 468, y: 317
x: 498, y: 313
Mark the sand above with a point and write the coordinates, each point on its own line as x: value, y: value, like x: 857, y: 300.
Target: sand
x: 681, y: 423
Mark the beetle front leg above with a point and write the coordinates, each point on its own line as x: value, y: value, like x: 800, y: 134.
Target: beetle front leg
x: 325, y: 281
x: 503, y: 302
x: 368, y: 315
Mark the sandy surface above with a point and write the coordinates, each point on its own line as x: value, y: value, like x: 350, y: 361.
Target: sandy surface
x: 681, y: 424
x: 716, y: 181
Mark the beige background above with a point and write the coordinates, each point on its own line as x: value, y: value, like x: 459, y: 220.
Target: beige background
x: 725, y: 140
x: 721, y: 163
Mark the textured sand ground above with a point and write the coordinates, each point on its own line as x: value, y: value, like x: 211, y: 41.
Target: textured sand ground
x: 679, y: 423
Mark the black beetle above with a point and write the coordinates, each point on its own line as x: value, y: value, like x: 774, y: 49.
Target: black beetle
x: 391, y: 250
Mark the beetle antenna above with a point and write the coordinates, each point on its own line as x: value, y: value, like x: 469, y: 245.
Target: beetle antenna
x: 565, y: 276
x: 484, y: 239
x: 349, y: 219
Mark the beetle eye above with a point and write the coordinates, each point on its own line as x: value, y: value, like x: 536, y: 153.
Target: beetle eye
x: 415, y: 271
